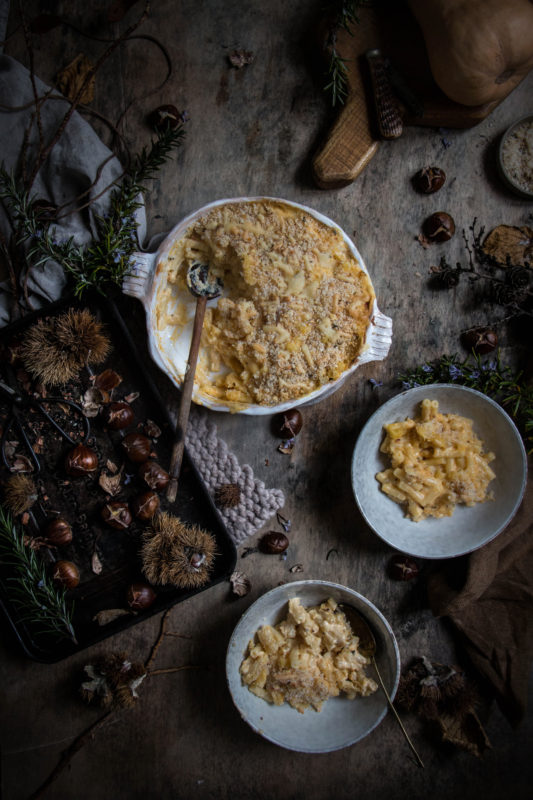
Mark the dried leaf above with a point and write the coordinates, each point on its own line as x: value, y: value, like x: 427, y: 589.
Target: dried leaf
x: 110, y: 615
x: 240, y: 58
x: 21, y: 464
x: 96, y: 564
x: 108, y: 380
x: 421, y: 239
x: 151, y: 429
x: 92, y: 401
x: 131, y: 397
x: 297, y: 568
x: 465, y: 731
x: 111, y: 466
x: 240, y: 583
x: 509, y: 245
x: 287, y: 446
x: 71, y: 79
x: 111, y: 484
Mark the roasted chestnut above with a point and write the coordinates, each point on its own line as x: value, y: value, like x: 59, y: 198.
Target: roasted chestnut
x: 117, y: 515
x: 140, y: 596
x: 66, y: 574
x: 164, y: 117
x: 81, y: 461
x: 137, y: 447
x: 273, y: 542
x: 480, y: 340
x: 429, y: 180
x: 154, y: 475
x: 145, y: 505
x: 439, y: 227
x: 118, y: 415
x: 58, y: 532
x: 287, y: 424
x: 402, y: 568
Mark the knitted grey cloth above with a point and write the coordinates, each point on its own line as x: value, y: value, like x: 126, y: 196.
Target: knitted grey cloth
x: 217, y: 465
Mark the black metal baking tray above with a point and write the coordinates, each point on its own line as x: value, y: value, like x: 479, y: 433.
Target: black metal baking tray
x: 81, y: 500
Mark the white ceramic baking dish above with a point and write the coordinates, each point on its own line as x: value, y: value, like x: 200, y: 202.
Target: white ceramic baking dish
x: 170, y: 353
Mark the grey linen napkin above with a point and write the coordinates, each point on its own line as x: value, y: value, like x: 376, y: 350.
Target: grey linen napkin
x: 70, y: 170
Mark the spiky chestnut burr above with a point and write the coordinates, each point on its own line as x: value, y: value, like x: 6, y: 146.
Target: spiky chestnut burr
x: 177, y: 554
x: 112, y: 681
x: 20, y: 493
x: 55, y: 350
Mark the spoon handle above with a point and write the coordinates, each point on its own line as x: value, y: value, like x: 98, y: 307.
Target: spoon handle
x: 400, y: 723
x: 186, y: 397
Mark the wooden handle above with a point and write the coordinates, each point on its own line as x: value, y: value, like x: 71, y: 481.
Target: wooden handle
x: 185, y: 402
x: 349, y: 146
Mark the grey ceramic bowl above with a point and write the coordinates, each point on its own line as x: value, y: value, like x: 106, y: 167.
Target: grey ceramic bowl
x: 341, y: 722
x: 468, y: 528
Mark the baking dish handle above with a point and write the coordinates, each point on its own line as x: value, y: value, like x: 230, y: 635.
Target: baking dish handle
x: 138, y: 282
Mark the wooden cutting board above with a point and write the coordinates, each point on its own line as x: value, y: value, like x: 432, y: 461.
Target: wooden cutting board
x: 353, y: 139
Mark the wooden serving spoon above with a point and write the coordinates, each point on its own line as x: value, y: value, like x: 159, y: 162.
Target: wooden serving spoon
x: 368, y: 647
x: 204, y: 287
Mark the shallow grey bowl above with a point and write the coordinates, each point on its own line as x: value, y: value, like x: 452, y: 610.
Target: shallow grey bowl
x: 341, y: 722
x: 468, y: 528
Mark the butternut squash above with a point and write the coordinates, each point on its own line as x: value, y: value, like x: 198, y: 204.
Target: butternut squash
x: 478, y: 50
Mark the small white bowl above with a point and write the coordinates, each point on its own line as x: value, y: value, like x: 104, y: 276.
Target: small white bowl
x: 170, y: 352
x: 468, y: 528
x: 341, y: 722
x: 503, y: 164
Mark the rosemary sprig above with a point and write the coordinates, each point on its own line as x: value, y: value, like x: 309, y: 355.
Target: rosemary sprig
x: 38, y: 602
x: 491, y: 377
x: 107, y: 258
x: 343, y: 15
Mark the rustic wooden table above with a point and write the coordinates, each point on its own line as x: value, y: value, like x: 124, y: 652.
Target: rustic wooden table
x: 253, y: 131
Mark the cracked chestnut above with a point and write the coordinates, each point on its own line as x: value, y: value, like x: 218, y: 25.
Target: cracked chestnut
x: 154, y: 475
x: 137, y: 447
x: 81, y: 461
x: 480, y: 340
x: 439, y: 227
x: 164, y: 117
x: 145, y: 505
x: 118, y: 415
x: 117, y: 515
x: 429, y: 180
x: 402, y: 568
x: 273, y: 543
x: 287, y: 424
x: 140, y: 596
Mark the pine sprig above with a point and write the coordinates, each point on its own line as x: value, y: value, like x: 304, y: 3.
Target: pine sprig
x: 38, y: 602
x: 494, y: 379
x: 343, y: 15
x: 107, y: 258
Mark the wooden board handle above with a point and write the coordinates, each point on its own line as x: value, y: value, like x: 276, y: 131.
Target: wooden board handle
x: 349, y: 146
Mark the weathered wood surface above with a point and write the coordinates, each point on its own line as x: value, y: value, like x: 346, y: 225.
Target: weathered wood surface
x: 253, y: 132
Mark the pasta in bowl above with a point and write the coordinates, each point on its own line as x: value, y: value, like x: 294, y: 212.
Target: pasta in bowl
x: 296, y: 316
x: 457, y: 474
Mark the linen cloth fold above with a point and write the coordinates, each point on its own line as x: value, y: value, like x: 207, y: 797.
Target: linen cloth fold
x: 78, y: 163
x: 488, y: 596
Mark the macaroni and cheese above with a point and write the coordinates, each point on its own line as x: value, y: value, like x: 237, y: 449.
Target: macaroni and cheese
x: 437, y: 462
x: 295, y: 308
x: 310, y: 656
